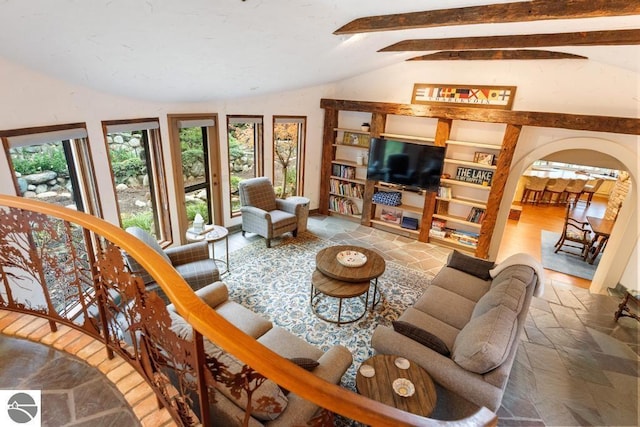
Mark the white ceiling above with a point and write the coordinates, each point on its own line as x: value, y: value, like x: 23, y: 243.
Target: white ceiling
x: 198, y: 50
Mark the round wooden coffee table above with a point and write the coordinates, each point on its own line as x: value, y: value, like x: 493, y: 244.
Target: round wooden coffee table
x: 388, y: 368
x: 336, y: 280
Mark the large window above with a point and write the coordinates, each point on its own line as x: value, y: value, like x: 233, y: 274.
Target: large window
x: 135, y: 154
x: 245, y: 138
x: 288, y: 155
x: 53, y: 164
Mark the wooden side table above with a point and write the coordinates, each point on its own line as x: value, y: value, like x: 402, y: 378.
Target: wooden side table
x: 323, y: 285
x: 388, y: 368
x: 212, y: 234
x: 623, y: 308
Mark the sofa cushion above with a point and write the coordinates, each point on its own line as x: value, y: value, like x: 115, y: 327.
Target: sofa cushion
x: 445, y: 305
x: 484, y: 343
x: 509, y: 293
x: 422, y: 320
x: 463, y: 284
x: 524, y: 273
x: 268, y: 400
x: 475, y: 266
x: 420, y: 335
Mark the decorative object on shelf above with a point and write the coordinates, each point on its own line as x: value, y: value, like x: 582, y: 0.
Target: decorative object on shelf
x: 403, y: 387
x: 351, y: 258
x: 365, y: 127
x: 483, y: 158
x: 499, y: 97
x: 391, y: 215
x: 442, y: 207
x: 474, y: 176
x: 388, y: 198
x: 198, y: 223
x: 409, y: 222
x: 359, y: 139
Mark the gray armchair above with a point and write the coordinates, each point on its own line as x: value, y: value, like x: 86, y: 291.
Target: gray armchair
x: 263, y: 213
x: 191, y: 261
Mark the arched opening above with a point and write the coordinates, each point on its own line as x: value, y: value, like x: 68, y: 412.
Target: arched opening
x: 591, y: 152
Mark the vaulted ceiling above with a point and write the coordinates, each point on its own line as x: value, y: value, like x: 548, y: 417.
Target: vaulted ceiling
x: 198, y: 50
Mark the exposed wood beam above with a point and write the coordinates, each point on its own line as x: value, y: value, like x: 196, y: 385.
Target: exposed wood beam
x: 592, y: 38
x: 475, y: 55
x: 619, y: 125
x: 494, y: 13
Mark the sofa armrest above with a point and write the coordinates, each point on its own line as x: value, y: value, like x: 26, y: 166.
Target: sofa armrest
x: 252, y: 210
x: 214, y: 294
x: 190, y: 252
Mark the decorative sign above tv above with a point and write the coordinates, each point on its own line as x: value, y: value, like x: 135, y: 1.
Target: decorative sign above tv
x: 499, y: 97
x: 474, y: 176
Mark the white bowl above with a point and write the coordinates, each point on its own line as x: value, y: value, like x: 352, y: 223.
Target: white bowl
x: 403, y: 387
x: 351, y: 258
x: 402, y: 363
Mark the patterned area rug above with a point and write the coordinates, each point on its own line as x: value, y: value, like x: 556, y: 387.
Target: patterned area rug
x: 277, y: 283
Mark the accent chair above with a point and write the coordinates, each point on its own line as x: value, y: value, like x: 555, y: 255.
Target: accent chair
x: 575, y: 234
x: 191, y: 261
x: 263, y: 213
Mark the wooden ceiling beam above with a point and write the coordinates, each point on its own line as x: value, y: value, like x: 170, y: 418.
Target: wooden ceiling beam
x: 591, y: 38
x: 494, y: 13
x: 618, y: 125
x: 484, y: 55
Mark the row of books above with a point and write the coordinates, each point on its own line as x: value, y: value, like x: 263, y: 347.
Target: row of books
x: 476, y: 215
x: 344, y: 171
x: 343, y: 206
x: 439, y: 229
x: 349, y: 189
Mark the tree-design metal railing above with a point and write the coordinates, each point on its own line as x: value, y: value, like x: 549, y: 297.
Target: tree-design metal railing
x: 68, y: 267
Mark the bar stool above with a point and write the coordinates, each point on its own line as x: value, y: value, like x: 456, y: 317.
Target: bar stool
x: 557, y: 187
x: 573, y: 191
x: 590, y: 189
x: 535, y: 186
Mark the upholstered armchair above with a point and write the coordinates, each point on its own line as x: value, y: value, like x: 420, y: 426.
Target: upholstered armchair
x: 191, y: 261
x: 263, y: 213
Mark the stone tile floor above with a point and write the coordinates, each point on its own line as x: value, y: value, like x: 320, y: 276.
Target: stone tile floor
x: 575, y: 365
x: 73, y: 392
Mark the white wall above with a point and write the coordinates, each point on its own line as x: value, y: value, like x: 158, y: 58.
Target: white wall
x: 581, y: 87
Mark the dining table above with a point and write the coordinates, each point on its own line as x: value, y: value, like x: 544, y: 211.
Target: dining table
x: 601, y: 231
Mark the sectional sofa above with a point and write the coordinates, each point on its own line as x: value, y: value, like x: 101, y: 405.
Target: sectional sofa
x: 464, y: 329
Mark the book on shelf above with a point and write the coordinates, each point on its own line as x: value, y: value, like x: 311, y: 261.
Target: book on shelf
x: 438, y: 233
x: 343, y: 206
x: 444, y: 192
x: 344, y: 171
x: 476, y: 215
x: 438, y: 224
x: 465, y: 237
x: 348, y: 189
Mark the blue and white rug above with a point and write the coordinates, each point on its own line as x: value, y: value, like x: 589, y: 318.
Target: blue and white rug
x: 563, y: 262
x: 277, y: 283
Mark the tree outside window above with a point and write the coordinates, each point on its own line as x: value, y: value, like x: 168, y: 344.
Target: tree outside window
x: 288, y: 148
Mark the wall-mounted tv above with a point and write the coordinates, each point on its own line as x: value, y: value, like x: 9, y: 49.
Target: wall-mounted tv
x: 415, y: 166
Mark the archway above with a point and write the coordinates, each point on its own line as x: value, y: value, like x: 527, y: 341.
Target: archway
x: 624, y: 236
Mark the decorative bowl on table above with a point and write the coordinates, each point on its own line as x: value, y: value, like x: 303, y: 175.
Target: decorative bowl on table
x: 403, y: 387
x: 351, y: 258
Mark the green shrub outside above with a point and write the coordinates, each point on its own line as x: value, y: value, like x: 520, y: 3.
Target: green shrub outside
x: 198, y: 207
x: 51, y: 159
x: 143, y: 220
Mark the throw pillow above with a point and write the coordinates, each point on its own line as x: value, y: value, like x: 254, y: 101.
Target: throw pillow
x: 471, y: 265
x: 305, y: 363
x: 484, y: 343
x: 425, y: 338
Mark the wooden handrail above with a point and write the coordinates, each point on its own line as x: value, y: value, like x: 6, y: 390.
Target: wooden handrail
x: 223, y: 333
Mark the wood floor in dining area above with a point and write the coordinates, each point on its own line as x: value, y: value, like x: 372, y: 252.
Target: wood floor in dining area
x: 523, y: 235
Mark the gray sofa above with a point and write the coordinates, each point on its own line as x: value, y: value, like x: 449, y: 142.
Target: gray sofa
x: 229, y: 411
x: 464, y: 329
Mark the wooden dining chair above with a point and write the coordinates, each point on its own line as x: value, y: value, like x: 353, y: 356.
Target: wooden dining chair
x: 576, y: 234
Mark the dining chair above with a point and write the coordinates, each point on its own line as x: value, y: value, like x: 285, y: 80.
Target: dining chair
x: 575, y: 234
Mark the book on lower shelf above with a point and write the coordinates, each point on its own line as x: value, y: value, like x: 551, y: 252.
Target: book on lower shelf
x: 465, y: 237
x: 476, y: 215
x: 343, y: 206
x: 349, y: 189
x: 344, y: 171
x: 438, y: 224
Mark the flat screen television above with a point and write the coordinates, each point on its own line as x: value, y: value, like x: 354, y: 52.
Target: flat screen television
x: 412, y: 165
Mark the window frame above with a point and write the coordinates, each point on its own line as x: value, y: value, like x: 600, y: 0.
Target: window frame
x: 301, y: 143
x: 77, y: 151
x: 151, y: 138
x: 258, y: 150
